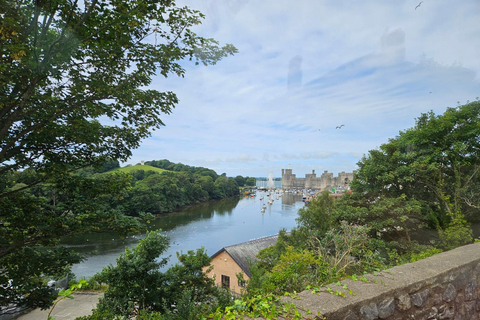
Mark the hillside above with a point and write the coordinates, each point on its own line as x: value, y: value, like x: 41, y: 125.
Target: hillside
x: 137, y: 167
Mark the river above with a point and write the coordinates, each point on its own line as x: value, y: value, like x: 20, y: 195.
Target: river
x: 212, y: 225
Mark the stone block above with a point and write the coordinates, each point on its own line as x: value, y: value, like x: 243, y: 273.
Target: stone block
x: 404, y: 302
x: 420, y: 298
x: 469, y: 309
x: 386, y: 308
x: 460, y: 280
x: 369, y: 312
x: 450, y: 293
x: 471, y: 290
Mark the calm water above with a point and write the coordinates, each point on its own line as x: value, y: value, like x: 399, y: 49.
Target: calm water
x: 212, y: 225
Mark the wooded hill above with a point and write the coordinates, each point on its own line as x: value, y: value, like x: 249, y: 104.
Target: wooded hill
x: 161, y: 186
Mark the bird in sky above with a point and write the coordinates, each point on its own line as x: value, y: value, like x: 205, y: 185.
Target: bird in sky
x: 340, y: 126
x: 418, y: 5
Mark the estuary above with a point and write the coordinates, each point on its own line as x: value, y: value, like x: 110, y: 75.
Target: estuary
x: 212, y: 225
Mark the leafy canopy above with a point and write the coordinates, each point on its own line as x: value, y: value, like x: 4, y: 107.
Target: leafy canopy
x: 437, y: 162
x: 68, y: 68
x: 74, y: 92
x: 136, y: 285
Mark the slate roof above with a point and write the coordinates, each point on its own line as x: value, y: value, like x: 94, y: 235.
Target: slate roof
x: 244, y: 252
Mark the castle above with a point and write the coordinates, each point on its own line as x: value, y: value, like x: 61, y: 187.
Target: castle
x: 325, y: 182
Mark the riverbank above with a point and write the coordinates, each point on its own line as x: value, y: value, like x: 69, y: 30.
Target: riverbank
x: 211, y: 225
x: 68, y: 309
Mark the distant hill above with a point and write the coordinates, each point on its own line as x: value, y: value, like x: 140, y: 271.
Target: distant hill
x: 137, y: 167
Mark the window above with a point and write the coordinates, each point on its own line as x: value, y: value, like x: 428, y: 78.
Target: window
x: 225, y: 281
x: 242, y: 283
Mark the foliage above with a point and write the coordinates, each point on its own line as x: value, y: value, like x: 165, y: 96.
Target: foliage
x: 188, y: 283
x: 346, y: 249
x: 456, y: 234
x: 74, y: 79
x: 388, y: 218
x: 427, y: 177
x: 317, y: 217
x: 250, y: 182
x: 225, y: 187
x: 437, y: 162
x: 160, y: 190
x: 136, y: 283
x: 138, y: 168
x: 109, y: 165
x: 240, y: 181
x: 137, y: 286
x: 84, y: 61
x: 424, y: 254
x: 270, y: 256
x: 266, y: 306
x: 171, y: 166
x: 88, y: 284
x: 294, y: 271
x: 165, y: 192
x: 33, y: 221
x: 342, y: 250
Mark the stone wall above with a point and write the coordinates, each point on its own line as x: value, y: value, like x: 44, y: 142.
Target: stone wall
x: 444, y: 286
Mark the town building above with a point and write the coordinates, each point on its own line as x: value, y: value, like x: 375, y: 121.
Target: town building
x: 235, y: 260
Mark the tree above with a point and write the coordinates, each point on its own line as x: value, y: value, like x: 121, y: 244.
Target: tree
x: 137, y: 286
x: 136, y: 283
x: 32, y: 223
x: 317, y: 217
x: 294, y: 270
x: 240, y: 181
x: 66, y: 65
x: 74, y: 79
x: 251, y: 182
x: 189, y: 287
x: 225, y: 187
x: 208, y: 185
x: 437, y: 162
x: 109, y: 165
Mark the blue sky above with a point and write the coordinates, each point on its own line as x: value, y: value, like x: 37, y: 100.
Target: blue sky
x: 305, y: 67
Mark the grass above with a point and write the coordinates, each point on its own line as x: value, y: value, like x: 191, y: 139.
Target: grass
x: 129, y: 169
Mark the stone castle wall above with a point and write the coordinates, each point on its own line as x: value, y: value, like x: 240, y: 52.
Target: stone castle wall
x: 444, y: 286
x: 311, y: 181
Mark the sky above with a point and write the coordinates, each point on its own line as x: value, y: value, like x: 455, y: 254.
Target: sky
x: 306, y: 67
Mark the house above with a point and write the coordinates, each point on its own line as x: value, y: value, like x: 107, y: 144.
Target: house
x: 232, y: 260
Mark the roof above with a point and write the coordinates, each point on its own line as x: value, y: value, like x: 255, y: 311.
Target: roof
x: 245, y: 252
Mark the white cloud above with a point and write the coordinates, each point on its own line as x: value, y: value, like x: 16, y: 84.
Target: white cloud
x: 238, y: 116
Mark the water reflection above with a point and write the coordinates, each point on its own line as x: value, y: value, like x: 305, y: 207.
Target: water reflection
x: 211, y: 225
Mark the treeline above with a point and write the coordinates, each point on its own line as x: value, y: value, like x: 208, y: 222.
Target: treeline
x: 128, y: 193
x: 178, y: 185
x: 157, y: 193
x: 171, y: 166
